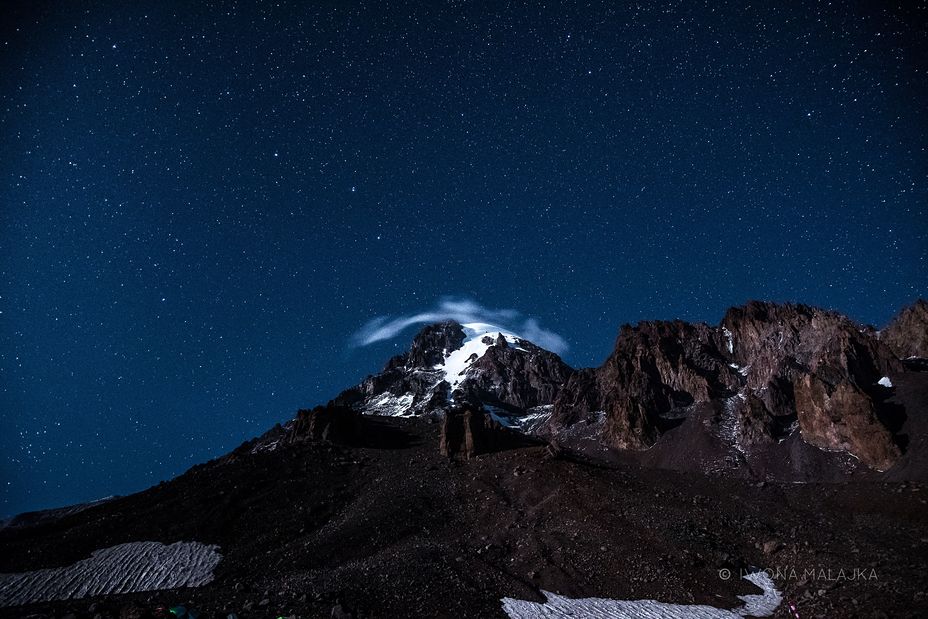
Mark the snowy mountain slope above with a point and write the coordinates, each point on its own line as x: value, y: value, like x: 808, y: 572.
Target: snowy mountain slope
x: 479, y: 337
x: 450, y: 364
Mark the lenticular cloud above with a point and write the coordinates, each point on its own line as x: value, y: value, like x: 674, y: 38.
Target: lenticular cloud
x: 462, y: 311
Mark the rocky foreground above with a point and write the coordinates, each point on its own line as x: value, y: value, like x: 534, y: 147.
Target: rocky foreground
x: 385, y: 525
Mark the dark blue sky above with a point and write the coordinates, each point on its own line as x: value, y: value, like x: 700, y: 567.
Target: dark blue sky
x: 201, y: 206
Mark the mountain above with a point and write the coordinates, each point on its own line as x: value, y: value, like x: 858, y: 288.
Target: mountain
x: 478, y: 475
x: 774, y: 391
x: 451, y: 364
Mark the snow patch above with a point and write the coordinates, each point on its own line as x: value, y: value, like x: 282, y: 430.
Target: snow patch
x: 741, y: 370
x: 730, y: 422
x: 457, y: 362
x: 529, y: 423
x: 266, y: 447
x: 730, y: 344
x: 126, y: 568
x: 885, y: 382
x: 391, y: 405
x: 556, y: 606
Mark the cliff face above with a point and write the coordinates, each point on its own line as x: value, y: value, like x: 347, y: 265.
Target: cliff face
x: 520, y: 376
x: 821, y: 367
x: 907, y: 333
x: 655, y: 368
x: 766, y: 369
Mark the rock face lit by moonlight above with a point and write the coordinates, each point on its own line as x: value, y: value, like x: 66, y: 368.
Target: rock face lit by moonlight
x: 766, y: 372
x: 907, y: 333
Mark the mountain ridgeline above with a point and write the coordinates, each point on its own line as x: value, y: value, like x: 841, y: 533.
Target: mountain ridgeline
x: 478, y: 470
x: 774, y: 391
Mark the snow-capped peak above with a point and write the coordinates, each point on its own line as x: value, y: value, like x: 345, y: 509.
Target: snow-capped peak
x: 443, y: 369
x: 479, y: 336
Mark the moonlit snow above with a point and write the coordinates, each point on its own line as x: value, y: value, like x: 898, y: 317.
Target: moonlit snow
x: 126, y: 568
x: 557, y: 607
x: 458, y: 361
x: 454, y: 369
x: 728, y: 341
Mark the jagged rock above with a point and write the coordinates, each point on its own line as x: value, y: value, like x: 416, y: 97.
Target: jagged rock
x: 513, y: 378
x: 432, y: 342
x: 841, y: 418
x: 771, y: 341
x: 750, y: 368
x: 755, y: 422
x: 514, y: 374
x: 469, y: 431
x: 327, y: 423
x: 655, y: 367
x: 907, y: 333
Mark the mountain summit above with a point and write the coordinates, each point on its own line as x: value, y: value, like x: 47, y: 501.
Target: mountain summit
x: 452, y: 364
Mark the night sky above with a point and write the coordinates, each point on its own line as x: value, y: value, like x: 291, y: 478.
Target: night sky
x: 201, y: 208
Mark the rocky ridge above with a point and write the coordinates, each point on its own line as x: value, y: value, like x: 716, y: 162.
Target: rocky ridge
x: 764, y: 384
x: 907, y: 334
x: 766, y: 371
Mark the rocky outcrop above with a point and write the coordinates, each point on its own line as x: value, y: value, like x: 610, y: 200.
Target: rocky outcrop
x: 820, y: 367
x: 767, y: 373
x: 770, y: 341
x: 842, y: 418
x: 513, y: 377
x: 468, y: 431
x: 907, y: 333
x: 765, y: 370
x: 337, y: 424
x: 432, y: 343
x: 657, y: 367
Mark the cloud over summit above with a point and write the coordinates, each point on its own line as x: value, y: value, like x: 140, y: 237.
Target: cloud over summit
x: 462, y: 311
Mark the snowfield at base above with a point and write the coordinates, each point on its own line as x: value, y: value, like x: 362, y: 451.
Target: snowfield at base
x: 556, y: 606
x: 886, y: 382
x: 458, y: 361
x: 126, y: 568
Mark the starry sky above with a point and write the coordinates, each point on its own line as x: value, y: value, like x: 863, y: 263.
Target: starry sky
x: 202, y: 204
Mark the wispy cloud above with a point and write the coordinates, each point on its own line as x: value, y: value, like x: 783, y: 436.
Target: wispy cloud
x: 463, y: 311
